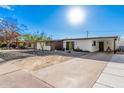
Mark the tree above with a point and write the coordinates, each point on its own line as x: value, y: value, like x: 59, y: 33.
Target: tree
x: 43, y: 37
x: 10, y: 30
x: 38, y: 36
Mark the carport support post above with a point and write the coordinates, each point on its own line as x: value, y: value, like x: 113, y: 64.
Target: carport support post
x: 114, y: 46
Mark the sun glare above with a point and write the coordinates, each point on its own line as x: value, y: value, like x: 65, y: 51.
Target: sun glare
x: 76, y: 15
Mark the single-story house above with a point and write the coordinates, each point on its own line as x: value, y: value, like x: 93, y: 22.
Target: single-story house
x: 92, y: 44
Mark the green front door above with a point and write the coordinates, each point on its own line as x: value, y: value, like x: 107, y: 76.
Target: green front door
x: 69, y: 45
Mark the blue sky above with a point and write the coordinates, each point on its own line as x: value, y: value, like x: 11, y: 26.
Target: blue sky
x: 99, y: 21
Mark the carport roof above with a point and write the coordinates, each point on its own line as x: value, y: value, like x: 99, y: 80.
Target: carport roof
x: 114, y: 37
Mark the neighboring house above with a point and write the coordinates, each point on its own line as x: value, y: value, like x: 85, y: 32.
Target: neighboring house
x: 120, y: 45
x: 92, y: 44
x: 42, y: 45
x: 50, y: 45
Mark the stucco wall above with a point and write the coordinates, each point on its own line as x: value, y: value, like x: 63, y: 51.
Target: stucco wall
x: 107, y: 43
x: 110, y: 44
x: 38, y: 46
x: 81, y: 44
x: 84, y: 44
x: 96, y: 47
x: 88, y: 44
x: 44, y: 46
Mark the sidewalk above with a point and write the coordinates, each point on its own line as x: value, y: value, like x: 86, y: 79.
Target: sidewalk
x: 112, y: 76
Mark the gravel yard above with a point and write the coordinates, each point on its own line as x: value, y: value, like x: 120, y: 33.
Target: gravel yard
x: 7, y: 55
x: 30, y: 61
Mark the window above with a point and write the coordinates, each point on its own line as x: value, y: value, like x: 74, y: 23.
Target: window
x: 94, y: 43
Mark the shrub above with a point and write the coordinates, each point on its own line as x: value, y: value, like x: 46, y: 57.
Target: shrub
x: 3, y: 45
x: 21, y: 46
x: 78, y: 50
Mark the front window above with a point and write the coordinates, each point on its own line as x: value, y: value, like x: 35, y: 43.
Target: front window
x: 94, y: 43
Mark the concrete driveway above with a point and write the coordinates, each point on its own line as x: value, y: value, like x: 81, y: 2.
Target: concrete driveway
x: 117, y: 58
x: 12, y: 76
x: 77, y: 73
x: 73, y: 73
x: 99, y: 56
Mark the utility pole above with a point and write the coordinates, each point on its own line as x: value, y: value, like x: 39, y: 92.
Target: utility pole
x: 87, y: 33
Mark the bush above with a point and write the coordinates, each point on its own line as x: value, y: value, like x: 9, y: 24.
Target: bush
x: 78, y: 50
x: 21, y: 46
x: 13, y: 46
x: 3, y: 45
x: 63, y: 49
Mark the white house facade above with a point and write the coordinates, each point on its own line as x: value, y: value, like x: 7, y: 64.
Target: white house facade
x: 92, y: 44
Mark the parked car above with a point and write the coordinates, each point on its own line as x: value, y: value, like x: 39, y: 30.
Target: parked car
x: 121, y: 48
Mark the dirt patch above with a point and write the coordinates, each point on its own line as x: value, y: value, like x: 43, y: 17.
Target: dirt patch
x: 37, y: 62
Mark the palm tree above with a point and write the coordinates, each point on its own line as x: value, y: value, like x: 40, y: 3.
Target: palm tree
x: 43, y: 37
x: 30, y: 38
x: 37, y: 37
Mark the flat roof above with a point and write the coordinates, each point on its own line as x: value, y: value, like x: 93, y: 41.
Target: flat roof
x: 92, y: 38
x: 114, y: 37
x: 84, y: 38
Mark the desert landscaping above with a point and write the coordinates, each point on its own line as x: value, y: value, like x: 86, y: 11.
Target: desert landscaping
x: 59, y: 69
x: 35, y: 63
x: 32, y: 62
